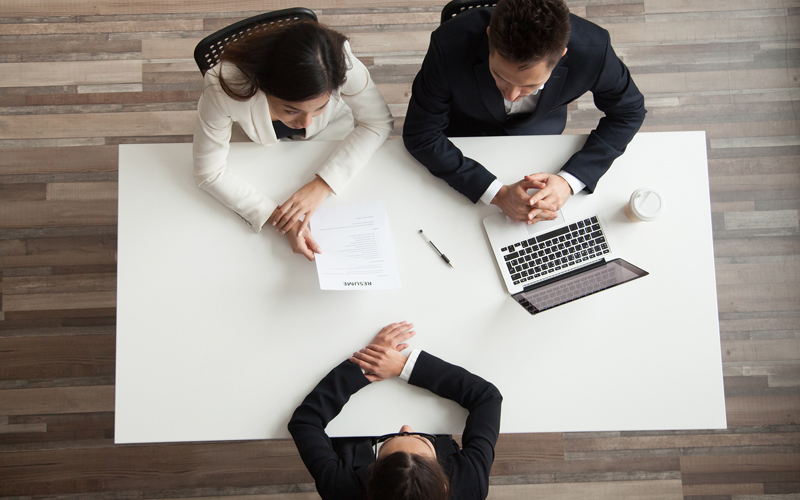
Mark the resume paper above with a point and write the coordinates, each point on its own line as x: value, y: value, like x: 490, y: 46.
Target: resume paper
x: 356, y: 248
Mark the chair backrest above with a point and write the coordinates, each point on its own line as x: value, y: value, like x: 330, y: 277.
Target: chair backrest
x: 207, y: 52
x: 457, y: 7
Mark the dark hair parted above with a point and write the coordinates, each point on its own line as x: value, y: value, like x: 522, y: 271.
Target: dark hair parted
x: 407, y: 476
x: 530, y: 31
x: 294, y: 62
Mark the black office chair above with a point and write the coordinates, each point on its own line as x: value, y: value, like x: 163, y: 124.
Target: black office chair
x: 207, y: 52
x: 457, y: 7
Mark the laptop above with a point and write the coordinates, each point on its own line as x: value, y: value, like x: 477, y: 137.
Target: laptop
x: 550, y: 263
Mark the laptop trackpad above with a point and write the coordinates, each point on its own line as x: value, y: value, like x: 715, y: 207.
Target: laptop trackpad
x: 546, y: 224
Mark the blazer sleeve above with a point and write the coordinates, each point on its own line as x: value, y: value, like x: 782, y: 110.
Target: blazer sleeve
x: 374, y: 124
x: 212, y: 135
x: 479, y: 397
x: 425, y: 123
x: 616, y: 95
x: 333, y: 478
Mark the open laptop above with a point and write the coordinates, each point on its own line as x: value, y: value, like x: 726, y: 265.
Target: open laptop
x: 550, y: 263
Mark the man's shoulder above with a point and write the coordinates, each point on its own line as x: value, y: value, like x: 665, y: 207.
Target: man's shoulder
x: 465, y: 30
x: 585, y: 33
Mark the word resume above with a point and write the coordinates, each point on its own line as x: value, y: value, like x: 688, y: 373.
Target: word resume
x: 356, y: 248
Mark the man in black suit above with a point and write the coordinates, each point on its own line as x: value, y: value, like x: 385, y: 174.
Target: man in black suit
x: 513, y: 70
x: 432, y: 466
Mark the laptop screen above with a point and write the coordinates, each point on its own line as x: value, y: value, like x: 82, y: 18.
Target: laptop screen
x: 580, y: 283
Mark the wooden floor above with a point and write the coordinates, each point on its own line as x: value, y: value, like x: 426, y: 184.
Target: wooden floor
x: 79, y: 78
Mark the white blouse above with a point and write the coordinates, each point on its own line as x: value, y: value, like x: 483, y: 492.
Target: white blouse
x: 216, y: 112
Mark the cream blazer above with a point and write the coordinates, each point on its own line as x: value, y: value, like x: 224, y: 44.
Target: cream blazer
x: 216, y: 112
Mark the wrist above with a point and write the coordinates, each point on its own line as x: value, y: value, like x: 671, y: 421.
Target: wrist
x: 321, y: 184
x: 500, y: 195
x: 400, y: 366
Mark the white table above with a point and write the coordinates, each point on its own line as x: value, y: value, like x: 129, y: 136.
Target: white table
x: 222, y: 332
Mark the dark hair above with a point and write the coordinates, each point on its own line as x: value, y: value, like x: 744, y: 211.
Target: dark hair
x: 294, y: 62
x: 530, y: 31
x: 407, y: 476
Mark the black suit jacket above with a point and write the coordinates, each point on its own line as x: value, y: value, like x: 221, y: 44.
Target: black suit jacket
x: 340, y: 467
x: 455, y: 95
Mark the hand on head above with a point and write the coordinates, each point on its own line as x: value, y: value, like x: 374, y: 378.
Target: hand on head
x: 381, y: 359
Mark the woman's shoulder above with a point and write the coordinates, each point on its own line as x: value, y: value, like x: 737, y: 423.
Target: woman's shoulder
x: 234, y: 80
x: 357, y: 74
x: 228, y: 70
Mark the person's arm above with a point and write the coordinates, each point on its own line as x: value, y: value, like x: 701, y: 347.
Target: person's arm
x: 212, y: 134
x: 479, y: 397
x: 616, y: 95
x: 374, y: 124
x: 423, y: 130
x: 333, y: 478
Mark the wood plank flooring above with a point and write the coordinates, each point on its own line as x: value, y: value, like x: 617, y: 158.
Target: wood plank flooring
x: 79, y: 78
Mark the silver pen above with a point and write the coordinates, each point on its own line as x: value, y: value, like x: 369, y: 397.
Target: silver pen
x: 443, y: 256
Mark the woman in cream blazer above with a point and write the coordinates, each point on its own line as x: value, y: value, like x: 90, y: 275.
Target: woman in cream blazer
x: 299, y: 82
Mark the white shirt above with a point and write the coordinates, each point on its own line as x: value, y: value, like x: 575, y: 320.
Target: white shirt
x: 409, y: 367
x: 526, y: 105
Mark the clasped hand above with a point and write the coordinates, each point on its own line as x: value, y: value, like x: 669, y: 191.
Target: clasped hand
x: 518, y: 205
x: 285, y: 219
x: 381, y: 359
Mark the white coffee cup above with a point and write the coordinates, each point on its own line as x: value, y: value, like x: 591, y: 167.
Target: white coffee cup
x: 646, y: 204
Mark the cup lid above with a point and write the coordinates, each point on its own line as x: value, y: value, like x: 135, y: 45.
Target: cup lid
x: 647, y: 203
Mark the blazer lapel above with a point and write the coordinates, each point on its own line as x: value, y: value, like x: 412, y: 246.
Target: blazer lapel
x: 261, y: 119
x: 550, y: 93
x: 492, y: 98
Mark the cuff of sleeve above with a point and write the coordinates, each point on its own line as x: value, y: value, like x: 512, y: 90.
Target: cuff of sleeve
x: 328, y: 174
x: 409, y: 368
x: 262, y: 213
x: 573, y: 181
x: 491, y: 191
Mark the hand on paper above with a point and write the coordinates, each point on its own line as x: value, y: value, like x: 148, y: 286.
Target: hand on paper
x: 394, y: 336
x: 304, y: 202
x: 552, y: 196
x: 302, y: 243
x: 379, y: 362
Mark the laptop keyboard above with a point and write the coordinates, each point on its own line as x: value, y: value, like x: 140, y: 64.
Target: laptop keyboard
x: 555, y: 252
x: 571, y: 289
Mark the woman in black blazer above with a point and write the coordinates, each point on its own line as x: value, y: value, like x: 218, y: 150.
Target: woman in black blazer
x: 408, y: 465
